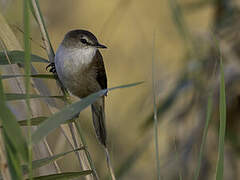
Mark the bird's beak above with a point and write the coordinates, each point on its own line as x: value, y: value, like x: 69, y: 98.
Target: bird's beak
x: 98, y: 45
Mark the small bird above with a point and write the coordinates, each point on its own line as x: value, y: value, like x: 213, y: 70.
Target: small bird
x: 80, y: 68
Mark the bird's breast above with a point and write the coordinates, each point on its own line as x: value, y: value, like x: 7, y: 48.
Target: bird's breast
x: 72, y: 66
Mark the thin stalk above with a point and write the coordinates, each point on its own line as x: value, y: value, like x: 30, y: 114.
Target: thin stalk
x: 75, y: 143
x: 74, y: 138
x: 110, y: 168
x: 177, y: 160
x: 27, y: 57
x: 204, y: 138
x: 95, y: 175
x: 155, y: 113
x: 44, y: 33
x: 51, y: 154
x: 5, y: 168
x: 222, y: 128
x: 66, y: 137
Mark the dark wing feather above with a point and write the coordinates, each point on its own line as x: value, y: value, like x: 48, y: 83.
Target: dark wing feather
x: 98, y: 112
x: 100, y: 70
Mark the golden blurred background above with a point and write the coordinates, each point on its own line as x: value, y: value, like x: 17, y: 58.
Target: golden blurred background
x: 181, y: 44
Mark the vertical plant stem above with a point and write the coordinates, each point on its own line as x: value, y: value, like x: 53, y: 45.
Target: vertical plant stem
x: 27, y: 65
x: 204, y: 138
x: 222, y: 129
x: 3, y: 159
x: 109, y: 164
x: 75, y: 143
x: 45, y: 36
x: 155, y: 112
x: 177, y: 159
x: 95, y: 175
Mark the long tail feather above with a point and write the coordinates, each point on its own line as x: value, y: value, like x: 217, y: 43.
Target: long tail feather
x: 98, y: 115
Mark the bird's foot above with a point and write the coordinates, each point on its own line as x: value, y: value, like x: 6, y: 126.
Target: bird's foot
x: 106, y: 93
x: 52, y: 67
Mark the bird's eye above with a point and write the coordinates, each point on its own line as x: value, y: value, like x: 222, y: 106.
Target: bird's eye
x: 84, y: 41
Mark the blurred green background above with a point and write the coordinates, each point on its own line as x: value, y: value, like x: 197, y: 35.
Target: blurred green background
x: 180, y: 36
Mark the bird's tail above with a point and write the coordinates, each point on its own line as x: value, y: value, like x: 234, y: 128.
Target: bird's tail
x: 98, y: 115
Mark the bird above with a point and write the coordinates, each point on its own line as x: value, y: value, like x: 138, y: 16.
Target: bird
x: 80, y: 68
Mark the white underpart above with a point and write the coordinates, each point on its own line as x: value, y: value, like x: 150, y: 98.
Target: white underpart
x: 70, y: 61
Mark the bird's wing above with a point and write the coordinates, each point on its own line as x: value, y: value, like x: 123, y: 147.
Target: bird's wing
x: 100, y: 70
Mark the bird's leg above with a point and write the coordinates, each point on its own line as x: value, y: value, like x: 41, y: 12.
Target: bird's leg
x: 52, y: 67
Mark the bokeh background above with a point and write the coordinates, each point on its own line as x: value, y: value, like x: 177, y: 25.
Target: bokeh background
x: 182, y: 37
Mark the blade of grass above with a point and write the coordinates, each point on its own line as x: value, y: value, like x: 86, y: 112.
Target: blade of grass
x: 34, y: 121
x: 18, y: 57
x: 64, y: 176
x: 13, y: 158
x: 126, y: 86
x: 12, y: 128
x: 42, y: 76
x: 13, y: 96
x: 177, y: 159
x: 222, y: 129
x: 65, y: 114
x: 5, y: 169
x: 42, y: 162
x: 155, y: 112
x: 70, y: 112
x: 204, y: 138
x: 27, y: 69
